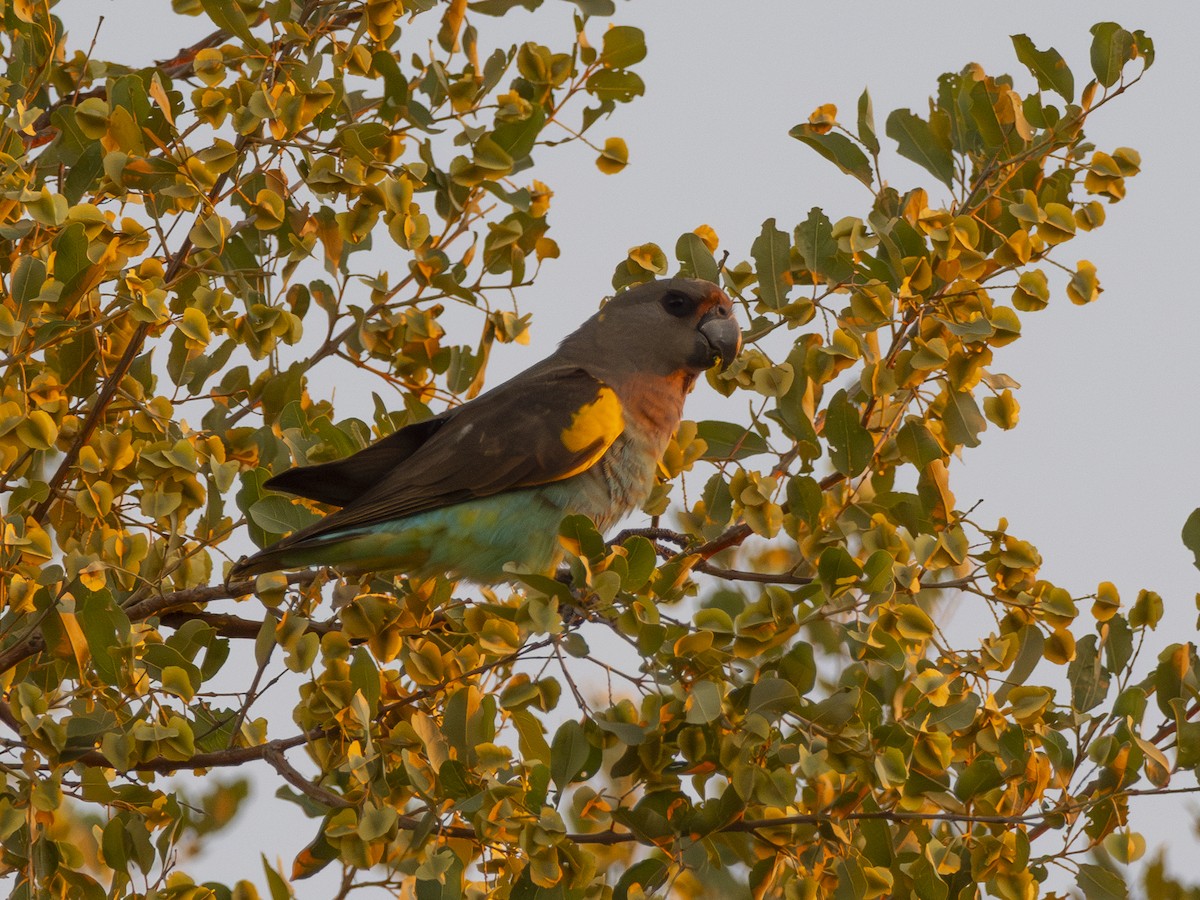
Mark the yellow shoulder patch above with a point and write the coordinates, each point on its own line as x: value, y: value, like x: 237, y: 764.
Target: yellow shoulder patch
x: 594, y: 425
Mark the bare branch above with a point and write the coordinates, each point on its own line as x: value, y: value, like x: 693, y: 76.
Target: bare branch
x: 297, y: 780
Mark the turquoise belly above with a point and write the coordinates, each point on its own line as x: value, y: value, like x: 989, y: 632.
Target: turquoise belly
x: 471, y: 540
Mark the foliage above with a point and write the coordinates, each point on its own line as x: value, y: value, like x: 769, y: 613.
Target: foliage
x: 799, y: 722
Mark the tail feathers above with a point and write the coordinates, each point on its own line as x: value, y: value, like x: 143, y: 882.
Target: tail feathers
x: 349, y: 552
x: 249, y: 566
x: 289, y: 553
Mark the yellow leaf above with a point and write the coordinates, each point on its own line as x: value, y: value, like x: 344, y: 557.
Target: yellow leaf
x: 708, y: 236
x: 74, y: 635
x: 1107, y: 601
x: 614, y: 157
x: 38, y: 431
x: 194, y: 324
x: 1084, y: 286
x: 269, y: 209
x: 649, y: 257
x: 175, y: 681
x: 913, y: 623
x: 823, y: 118
x: 159, y: 94
x: 1060, y: 647
x: 93, y: 576
x: 1002, y: 410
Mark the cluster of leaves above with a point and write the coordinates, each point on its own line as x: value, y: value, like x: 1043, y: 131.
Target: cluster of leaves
x: 855, y: 746
x: 163, y: 232
x: 798, y: 723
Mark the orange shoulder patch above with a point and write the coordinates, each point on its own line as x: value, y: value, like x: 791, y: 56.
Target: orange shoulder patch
x: 593, y: 428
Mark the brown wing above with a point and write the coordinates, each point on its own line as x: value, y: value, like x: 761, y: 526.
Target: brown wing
x: 343, y: 481
x: 536, y: 429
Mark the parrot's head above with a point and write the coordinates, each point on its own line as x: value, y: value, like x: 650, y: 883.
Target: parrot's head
x: 674, y: 325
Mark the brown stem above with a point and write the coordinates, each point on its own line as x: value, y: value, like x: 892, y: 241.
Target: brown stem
x: 297, y: 780
x: 151, y: 606
x: 236, y: 627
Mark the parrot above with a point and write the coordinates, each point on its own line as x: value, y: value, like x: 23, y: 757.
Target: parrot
x: 482, y: 488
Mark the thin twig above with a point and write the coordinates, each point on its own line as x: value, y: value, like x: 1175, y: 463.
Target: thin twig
x: 297, y: 780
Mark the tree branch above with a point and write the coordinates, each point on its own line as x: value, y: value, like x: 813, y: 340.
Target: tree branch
x: 297, y: 780
x: 151, y: 606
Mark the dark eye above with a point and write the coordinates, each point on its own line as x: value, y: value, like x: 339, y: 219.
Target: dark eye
x: 677, y: 304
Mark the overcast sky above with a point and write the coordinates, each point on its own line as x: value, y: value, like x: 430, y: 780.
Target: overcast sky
x: 1101, y: 472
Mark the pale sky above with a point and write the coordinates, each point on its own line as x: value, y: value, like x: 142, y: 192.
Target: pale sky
x: 1100, y: 474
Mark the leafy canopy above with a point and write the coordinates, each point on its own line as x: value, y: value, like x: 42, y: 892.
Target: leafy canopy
x: 191, y: 259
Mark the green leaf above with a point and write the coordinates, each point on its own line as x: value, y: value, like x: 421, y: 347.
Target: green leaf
x: 395, y: 85
x: 837, y: 570
x: 1047, y: 66
x: 531, y: 740
x: 1118, y: 646
x: 727, y: 440
x: 1099, y: 883
x: 228, y: 15
x: 623, y: 46
x: 105, y: 628
x: 850, y: 444
x: 772, y: 697
x: 28, y: 276
x: 838, y: 149
x: 917, y: 444
x: 1191, y: 536
x: 978, y: 777
x: 983, y: 116
x: 592, y: 7
x: 278, y: 515
x: 913, y: 623
x: 641, y: 560
x: 866, y: 123
x: 70, y: 253
x: 441, y: 877
x: 962, y: 419
x: 516, y: 139
x: 626, y: 732
x: 696, y: 260
x: 618, y: 85
x: 917, y: 141
x: 1112, y: 46
x: 83, y: 174
x: 579, y: 536
x: 500, y: 7
x: 645, y: 875
x: 1144, y: 47
x: 569, y: 753
x: 175, y: 681
x: 703, y: 703
x: 1089, y: 679
x: 276, y: 883
x: 818, y: 247
x: 770, y: 251
x: 364, y: 676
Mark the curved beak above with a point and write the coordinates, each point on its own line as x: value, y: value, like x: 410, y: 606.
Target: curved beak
x: 724, y: 336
